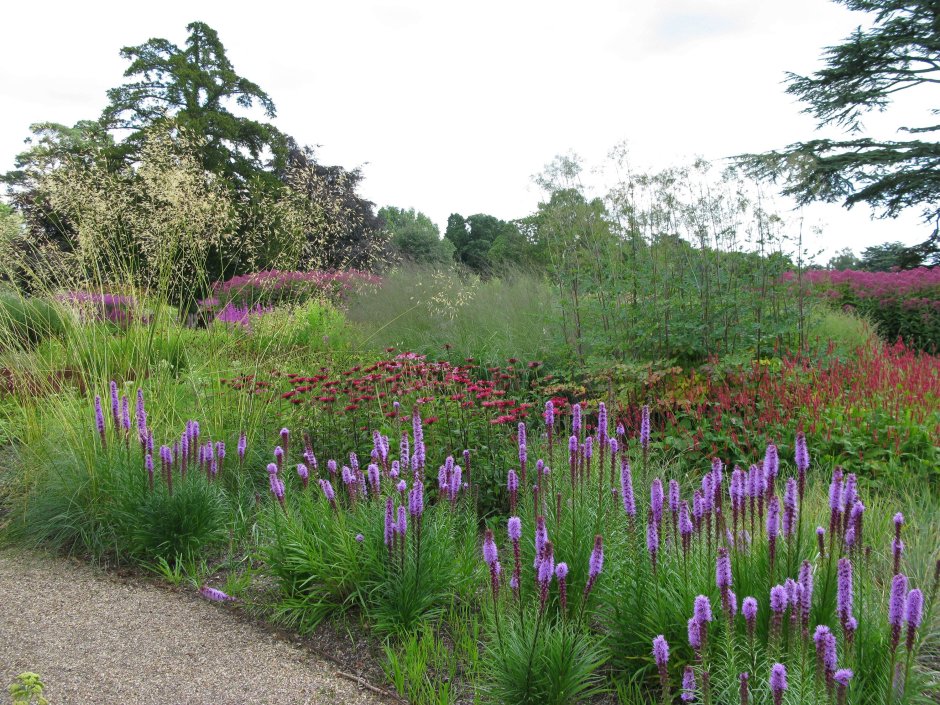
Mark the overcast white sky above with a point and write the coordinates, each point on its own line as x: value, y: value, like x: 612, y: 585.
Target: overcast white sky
x: 452, y: 107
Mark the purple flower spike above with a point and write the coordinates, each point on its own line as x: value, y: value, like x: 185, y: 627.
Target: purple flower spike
x: 549, y: 414
x: 303, y: 473
x: 490, y: 553
x: 389, y: 521
x: 330, y: 493
x: 688, y: 685
x: 674, y: 496
x: 771, y: 462
x: 373, y: 473
x: 826, y: 657
x: 626, y: 488
x: 214, y: 595
x: 778, y: 682
x: 416, y: 501
x: 656, y: 500
x: 515, y: 529
x: 723, y: 570
x: 661, y: 657
x: 789, y: 508
x: 645, y: 428
x: 695, y: 634
x: 595, y: 564
x: 844, y: 593
x: 576, y: 420
x: 703, y: 610
x: 913, y: 614
x: 99, y: 420
x: 125, y: 414
x: 896, y: 607
x: 778, y: 599
x: 285, y: 438
x: 561, y: 573
x: 843, y: 676
x: 749, y: 610
x: 242, y: 446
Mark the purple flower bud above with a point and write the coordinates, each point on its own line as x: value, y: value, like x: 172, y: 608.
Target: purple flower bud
x: 596, y: 562
x: 303, y: 473
x: 843, y: 676
x: 360, y: 538
x: 373, y: 473
x: 328, y: 491
x: 561, y: 571
x: 401, y: 486
x: 285, y: 438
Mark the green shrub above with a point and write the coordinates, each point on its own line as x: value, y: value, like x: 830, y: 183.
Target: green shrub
x: 26, y: 321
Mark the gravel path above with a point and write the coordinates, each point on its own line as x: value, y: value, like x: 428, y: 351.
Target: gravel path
x: 97, y: 639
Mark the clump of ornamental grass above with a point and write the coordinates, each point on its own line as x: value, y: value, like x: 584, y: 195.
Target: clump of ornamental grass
x: 94, y: 482
x: 754, y: 585
x: 373, y: 534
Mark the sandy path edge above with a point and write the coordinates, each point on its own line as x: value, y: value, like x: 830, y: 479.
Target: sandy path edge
x: 95, y: 639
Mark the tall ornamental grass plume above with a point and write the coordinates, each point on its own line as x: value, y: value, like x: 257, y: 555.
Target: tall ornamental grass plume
x: 387, y: 542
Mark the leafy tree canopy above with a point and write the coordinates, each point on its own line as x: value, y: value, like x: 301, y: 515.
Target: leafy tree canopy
x: 889, y: 256
x: 414, y: 237
x: 196, y: 86
x: 900, y: 51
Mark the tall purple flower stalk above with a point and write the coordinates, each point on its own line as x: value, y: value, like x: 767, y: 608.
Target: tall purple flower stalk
x: 778, y: 604
x: 389, y: 522
x: 115, y: 406
x: 773, y: 530
x: 652, y: 539
x: 595, y: 564
x: 491, y: 558
x: 842, y: 677
x: 806, y: 599
x: 688, y: 685
x: 277, y: 486
x: 778, y: 682
x: 771, y: 467
x: 523, y: 452
x: 545, y: 572
x: 897, y: 545
x: 576, y: 421
x: 826, y: 657
x: 656, y: 501
x: 801, y: 456
x: 789, y: 508
x: 512, y: 486
x: 749, y: 610
x: 561, y: 573
x: 844, y: 597
x: 514, y: 529
x: 723, y: 575
x: 685, y: 527
x: 896, y: 608
x: 913, y: 614
x: 645, y: 429
x: 99, y: 421
x: 329, y: 492
x: 661, y: 657
x: 303, y: 473
x: 141, y: 420
x: 626, y: 488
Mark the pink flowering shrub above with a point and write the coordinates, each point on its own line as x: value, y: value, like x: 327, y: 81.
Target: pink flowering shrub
x: 903, y: 304
x: 272, y: 287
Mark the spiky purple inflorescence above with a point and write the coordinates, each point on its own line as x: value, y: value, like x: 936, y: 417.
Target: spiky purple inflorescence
x: 723, y: 570
x: 661, y: 657
x: 330, y: 493
x: 545, y: 572
x: 896, y: 607
x: 801, y: 457
x: 773, y: 529
x: 514, y: 528
x: 789, y: 508
x: 541, y: 536
x: 685, y: 526
x: 148, y: 464
x: 806, y: 599
x: 626, y: 488
x: 913, y: 614
x: 844, y: 594
x: 652, y: 539
x: 401, y: 486
x: 743, y: 690
x: 549, y: 415
x: 688, y: 685
x: 214, y: 595
x: 99, y: 420
x: 373, y: 474
x: 821, y: 541
x: 303, y: 473
x: 842, y: 678
x: 125, y: 414
x: 576, y: 420
x: 512, y: 486
x: 749, y: 610
x: 561, y: 573
x: 389, y: 521
x: 778, y: 599
x: 401, y: 527
x: 242, y: 446
x: 771, y: 466
x: 115, y: 406
x: 778, y: 682
x: 141, y: 418
x: 695, y: 635
x: 595, y: 564
x: 702, y: 610
x: 826, y: 657
x: 656, y: 501
x: 490, y: 553
x: 416, y: 501
x: 645, y: 428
